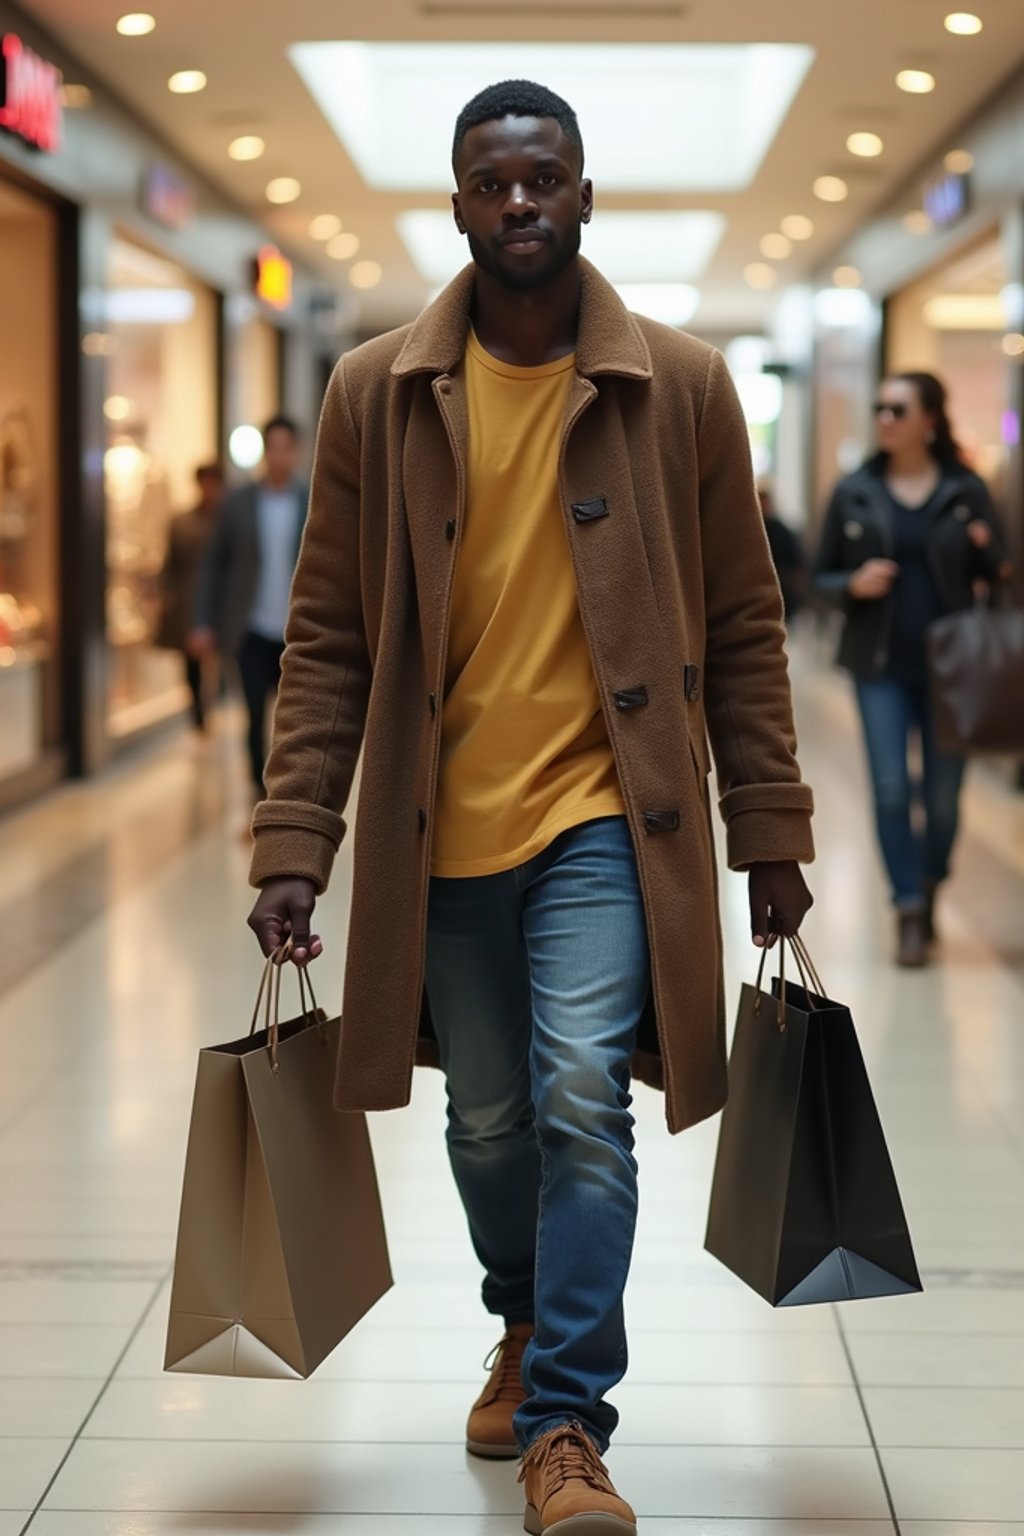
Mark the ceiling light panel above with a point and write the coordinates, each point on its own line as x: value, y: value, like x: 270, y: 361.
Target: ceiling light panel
x: 650, y: 247
x: 371, y: 92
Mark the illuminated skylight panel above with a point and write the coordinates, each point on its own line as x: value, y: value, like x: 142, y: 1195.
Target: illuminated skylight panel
x: 672, y: 117
x: 645, y: 247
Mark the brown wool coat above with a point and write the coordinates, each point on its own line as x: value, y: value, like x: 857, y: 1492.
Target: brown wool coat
x: 682, y: 613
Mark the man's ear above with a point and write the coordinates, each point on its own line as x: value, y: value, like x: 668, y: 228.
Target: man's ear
x: 586, y: 200
x: 457, y: 212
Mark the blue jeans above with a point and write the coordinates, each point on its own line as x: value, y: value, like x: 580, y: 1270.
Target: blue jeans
x: 890, y: 710
x: 536, y: 979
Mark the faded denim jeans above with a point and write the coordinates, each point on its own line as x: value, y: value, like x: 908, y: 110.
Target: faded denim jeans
x: 537, y: 978
x: 890, y: 711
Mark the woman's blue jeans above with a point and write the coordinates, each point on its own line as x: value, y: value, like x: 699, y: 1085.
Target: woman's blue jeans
x: 536, y: 979
x: 914, y: 857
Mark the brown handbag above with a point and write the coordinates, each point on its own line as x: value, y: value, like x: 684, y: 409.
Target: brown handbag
x: 976, y: 667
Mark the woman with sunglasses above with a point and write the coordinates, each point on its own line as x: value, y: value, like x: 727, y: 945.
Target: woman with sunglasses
x: 906, y: 538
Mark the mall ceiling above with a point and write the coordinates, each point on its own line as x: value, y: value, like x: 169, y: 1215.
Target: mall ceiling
x: 845, y: 85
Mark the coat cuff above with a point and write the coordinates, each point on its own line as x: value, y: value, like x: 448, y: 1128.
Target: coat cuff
x: 294, y: 840
x: 768, y: 824
x: 769, y: 837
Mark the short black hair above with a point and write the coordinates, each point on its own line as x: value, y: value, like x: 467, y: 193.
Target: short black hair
x: 517, y: 98
x: 280, y: 424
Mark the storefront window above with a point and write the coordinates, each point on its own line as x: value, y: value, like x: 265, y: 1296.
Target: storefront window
x: 957, y: 323
x: 161, y: 424
x: 29, y: 694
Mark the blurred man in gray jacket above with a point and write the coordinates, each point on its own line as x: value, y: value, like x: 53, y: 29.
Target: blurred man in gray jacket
x: 245, y: 583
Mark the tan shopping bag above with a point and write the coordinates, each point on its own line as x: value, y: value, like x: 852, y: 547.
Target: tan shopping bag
x: 281, y: 1244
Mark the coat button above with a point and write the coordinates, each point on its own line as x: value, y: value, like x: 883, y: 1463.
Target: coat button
x: 433, y: 705
x: 691, y: 683
x: 449, y: 529
x: 661, y: 821
x: 631, y: 698
x: 590, y: 511
x: 422, y: 818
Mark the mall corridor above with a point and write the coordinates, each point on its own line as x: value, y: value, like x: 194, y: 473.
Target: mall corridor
x: 125, y: 949
x: 483, y: 398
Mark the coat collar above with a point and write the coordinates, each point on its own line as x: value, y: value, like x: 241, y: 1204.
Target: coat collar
x: 609, y: 340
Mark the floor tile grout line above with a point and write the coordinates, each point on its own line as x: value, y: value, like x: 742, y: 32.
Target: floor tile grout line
x: 867, y: 1420
x: 458, y: 1441
x: 516, y: 1515
x: 158, y: 1288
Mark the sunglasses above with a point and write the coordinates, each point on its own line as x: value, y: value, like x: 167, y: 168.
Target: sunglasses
x: 897, y: 410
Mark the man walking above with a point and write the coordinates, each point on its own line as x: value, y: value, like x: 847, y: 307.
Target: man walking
x: 187, y: 539
x: 242, y: 597
x: 534, y: 574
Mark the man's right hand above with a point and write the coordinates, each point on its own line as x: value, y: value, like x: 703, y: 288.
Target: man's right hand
x: 284, y: 910
x: 874, y: 579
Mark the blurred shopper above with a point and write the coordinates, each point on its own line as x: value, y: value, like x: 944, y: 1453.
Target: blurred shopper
x: 245, y: 582
x: 187, y: 541
x: 533, y: 525
x: 905, y: 540
x: 787, y: 554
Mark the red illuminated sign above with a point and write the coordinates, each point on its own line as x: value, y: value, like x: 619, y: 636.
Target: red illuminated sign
x: 274, y: 277
x: 30, y: 104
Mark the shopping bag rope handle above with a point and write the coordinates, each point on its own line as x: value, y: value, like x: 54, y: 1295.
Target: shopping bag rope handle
x: 269, y: 995
x: 805, y: 966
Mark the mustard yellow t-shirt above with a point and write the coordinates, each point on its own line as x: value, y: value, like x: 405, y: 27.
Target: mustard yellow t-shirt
x: 524, y: 750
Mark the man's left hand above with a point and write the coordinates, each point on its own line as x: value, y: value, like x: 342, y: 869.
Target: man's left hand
x: 779, y: 901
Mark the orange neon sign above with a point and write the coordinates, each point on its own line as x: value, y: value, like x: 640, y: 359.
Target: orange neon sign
x: 274, y: 277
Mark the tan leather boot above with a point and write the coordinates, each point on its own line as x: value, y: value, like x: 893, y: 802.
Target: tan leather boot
x: 489, y: 1430
x: 568, y: 1490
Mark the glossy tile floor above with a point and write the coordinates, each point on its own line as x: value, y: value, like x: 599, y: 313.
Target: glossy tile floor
x: 124, y: 948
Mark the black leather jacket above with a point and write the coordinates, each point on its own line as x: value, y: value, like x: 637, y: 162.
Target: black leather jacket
x: 858, y: 527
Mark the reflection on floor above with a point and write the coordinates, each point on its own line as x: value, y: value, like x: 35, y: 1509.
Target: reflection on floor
x: 125, y: 949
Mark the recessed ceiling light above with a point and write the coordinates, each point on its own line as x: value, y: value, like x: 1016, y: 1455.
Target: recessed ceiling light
x: 776, y: 247
x: 324, y: 226
x: 370, y: 91
x: 187, y: 82
x: 249, y: 147
x: 1013, y: 344
x: 959, y: 161
x: 917, y: 222
x: 643, y: 246
x: 75, y: 97
x: 760, y: 275
x: 846, y: 277
x: 136, y: 24
x: 916, y: 82
x: 831, y: 189
x: 963, y: 24
x: 342, y: 247
x: 365, y: 274
x: 283, y: 189
x: 117, y: 408
x: 797, y: 227
x: 867, y: 145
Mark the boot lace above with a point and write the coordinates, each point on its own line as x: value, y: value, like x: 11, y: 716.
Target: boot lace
x: 505, y: 1361
x: 566, y: 1453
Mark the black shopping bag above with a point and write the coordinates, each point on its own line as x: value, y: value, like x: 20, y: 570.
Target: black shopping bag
x: 804, y: 1204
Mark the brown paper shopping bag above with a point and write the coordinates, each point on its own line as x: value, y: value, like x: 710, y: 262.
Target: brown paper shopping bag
x: 281, y: 1245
